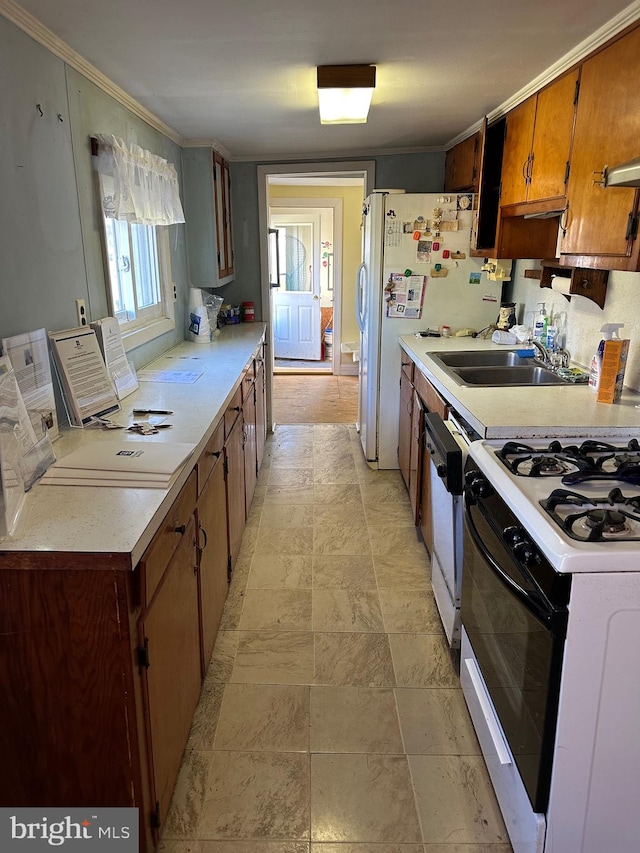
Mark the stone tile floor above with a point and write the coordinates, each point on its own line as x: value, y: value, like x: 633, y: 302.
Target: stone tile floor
x: 331, y: 719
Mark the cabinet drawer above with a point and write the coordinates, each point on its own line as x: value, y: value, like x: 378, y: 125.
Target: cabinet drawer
x: 407, y: 365
x: 163, y: 545
x: 430, y: 397
x: 210, y: 455
x: 233, y: 410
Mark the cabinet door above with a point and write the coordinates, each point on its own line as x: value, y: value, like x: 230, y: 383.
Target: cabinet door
x: 261, y: 412
x: 213, y: 550
x: 485, y: 219
x: 461, y: 166
x: 426, y: 516
x: 607, y: 132
x: 415, y: 455
x: 404, y: 427
x: 552, y: 138
x: 517, y: 150
x: 170, y: 630
x: 222, y: 197
x: 234, y: 456
x: 250, y: 449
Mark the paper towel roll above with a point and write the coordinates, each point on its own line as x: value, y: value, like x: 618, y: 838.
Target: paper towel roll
x: 561, y: 284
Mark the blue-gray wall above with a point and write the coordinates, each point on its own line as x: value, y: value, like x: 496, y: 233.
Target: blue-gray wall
x: 415, y: 173
x: 50, y: 243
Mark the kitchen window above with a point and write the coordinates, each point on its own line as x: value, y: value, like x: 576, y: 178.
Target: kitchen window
x: 139, y: 199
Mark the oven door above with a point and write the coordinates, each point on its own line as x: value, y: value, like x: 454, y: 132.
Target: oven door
x: 517, y: 635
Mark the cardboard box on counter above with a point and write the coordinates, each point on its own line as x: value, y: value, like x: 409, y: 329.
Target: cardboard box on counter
x: 614, y: 362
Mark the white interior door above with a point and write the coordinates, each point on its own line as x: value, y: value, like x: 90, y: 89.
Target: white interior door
x: 296, y: 302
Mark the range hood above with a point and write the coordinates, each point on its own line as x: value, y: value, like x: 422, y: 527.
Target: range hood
x: 625, y: 175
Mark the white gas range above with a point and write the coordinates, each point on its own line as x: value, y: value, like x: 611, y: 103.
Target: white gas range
x: 551, y: 637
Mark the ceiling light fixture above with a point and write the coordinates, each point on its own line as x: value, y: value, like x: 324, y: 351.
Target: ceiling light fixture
x: 345, y: 92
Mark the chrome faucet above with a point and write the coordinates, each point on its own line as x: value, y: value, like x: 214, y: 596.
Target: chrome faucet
x: 544, y: 353
x: 559, y: 358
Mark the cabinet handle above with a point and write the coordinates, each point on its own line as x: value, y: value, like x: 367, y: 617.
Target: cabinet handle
x: 236, y: 408
x: 180, y: 528
x: 530, y: 168
x: 204, y: 533
x: 215, y: 453
x: 525, y: 168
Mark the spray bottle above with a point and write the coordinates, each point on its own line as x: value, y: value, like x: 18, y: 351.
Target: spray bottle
x: 610, y: 332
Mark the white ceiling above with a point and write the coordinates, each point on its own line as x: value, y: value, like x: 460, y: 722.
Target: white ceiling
x: 243, y: 72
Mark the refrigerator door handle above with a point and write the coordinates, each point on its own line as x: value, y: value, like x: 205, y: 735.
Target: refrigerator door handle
x: 361, y: 296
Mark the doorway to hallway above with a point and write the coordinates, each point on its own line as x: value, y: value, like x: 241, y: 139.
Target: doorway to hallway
x: 317, y: 185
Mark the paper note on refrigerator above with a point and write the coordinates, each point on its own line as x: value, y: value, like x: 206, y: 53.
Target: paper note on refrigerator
x: 405, y: 296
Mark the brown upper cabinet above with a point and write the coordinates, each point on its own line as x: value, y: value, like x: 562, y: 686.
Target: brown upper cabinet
x: 461, y: 166
x: 537, y: 146
x: 601, y: 223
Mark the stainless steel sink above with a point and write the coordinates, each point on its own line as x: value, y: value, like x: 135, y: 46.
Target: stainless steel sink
x: 528, y: 374
x: 491, y: 358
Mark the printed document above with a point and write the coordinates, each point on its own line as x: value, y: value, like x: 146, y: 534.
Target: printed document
x: 29, y: 356
x: 86, y: 384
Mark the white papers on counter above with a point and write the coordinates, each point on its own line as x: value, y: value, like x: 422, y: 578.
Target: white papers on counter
x: 120, y: 463
x: 86, y: 384
x: 23, y: 457
x: 110, y: 342
x: 183, y: 377
x: 29, y: 356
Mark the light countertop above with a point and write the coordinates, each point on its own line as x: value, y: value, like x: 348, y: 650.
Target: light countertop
x: 533, y: 411
x: 119, y: 523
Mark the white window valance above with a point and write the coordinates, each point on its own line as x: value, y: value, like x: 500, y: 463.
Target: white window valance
x: 136, y: 185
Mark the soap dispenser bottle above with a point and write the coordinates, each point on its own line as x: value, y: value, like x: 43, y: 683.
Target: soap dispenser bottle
x: 610, y: 332
x: 540, y: 324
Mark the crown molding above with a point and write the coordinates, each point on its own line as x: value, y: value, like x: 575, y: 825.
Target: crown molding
x: 336, y: 155
x: 612, y: 28
x: 38, y: 32
x: 208, y: 143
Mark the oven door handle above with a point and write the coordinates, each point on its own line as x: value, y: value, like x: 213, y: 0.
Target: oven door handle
x: 529, y: 598
x: 499, y: 743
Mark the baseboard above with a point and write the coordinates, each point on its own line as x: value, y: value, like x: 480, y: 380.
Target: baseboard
x: 349, y: 369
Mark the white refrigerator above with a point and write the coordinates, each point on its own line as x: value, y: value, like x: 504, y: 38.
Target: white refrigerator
x: 416, y: 274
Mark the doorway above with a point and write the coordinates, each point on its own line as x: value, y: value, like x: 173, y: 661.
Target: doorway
x: 317, y: 185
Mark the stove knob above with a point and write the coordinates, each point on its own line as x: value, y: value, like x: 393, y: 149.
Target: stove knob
x: 525, y: 552
x: 513, y: 535
x: 478, y: 485
x: 441, y: 469
x: 470, y: 476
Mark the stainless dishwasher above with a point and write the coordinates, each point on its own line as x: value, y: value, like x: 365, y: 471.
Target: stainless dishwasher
x: 446, y: 442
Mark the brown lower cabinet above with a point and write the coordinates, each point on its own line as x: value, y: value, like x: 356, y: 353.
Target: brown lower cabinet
x: 213, y: 549
x: 236, y: 506
x: 415, y: 455
x: 416, y: 398
x: 249, y: 415
x: 404, y: 425
x: 169, y: 638
x: 102, y: 663
x: 261, y: 411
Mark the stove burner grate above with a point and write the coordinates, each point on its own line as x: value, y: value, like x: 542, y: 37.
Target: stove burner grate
x: 612, y: 518
x: 577, y: 461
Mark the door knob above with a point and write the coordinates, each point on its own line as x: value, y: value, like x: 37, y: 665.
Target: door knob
x: 316, y: 297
